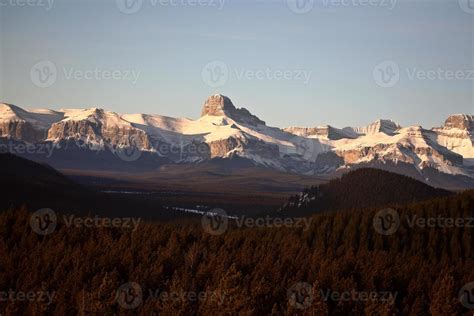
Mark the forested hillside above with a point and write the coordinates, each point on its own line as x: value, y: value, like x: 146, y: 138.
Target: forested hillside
x: 245, y: 271
x: 360, y: 188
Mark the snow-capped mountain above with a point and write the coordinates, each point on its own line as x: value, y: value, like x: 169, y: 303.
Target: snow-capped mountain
x: 224, y: 131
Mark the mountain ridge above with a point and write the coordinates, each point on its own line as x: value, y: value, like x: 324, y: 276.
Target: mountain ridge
x: 225, y: 131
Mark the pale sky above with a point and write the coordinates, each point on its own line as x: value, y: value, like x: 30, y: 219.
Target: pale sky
x: 290, y: 65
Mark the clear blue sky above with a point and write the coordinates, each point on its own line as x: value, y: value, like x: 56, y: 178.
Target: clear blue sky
x: 169, y: 46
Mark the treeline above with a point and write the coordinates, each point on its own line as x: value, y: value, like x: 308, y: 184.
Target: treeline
x: 179, y: 269
x: 361, y: 188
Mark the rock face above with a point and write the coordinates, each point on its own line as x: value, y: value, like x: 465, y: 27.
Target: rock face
x: 251, y: 146
x: 400, y: 153
x: 21, y: 130
x: 457, y: 135
x: 388, y: 127
x: 327, y: 131
x: 19, y: 124
x: 219, y: 105
x: 460, y: 121
x: 221, y: 148
x: 97, y: 129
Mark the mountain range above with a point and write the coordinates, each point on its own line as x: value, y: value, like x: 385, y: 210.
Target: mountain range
x: 97, y: 139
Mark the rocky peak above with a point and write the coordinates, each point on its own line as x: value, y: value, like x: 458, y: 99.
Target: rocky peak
x: 388, y: 127
x: 219, y: 105
x: 460, y: 121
